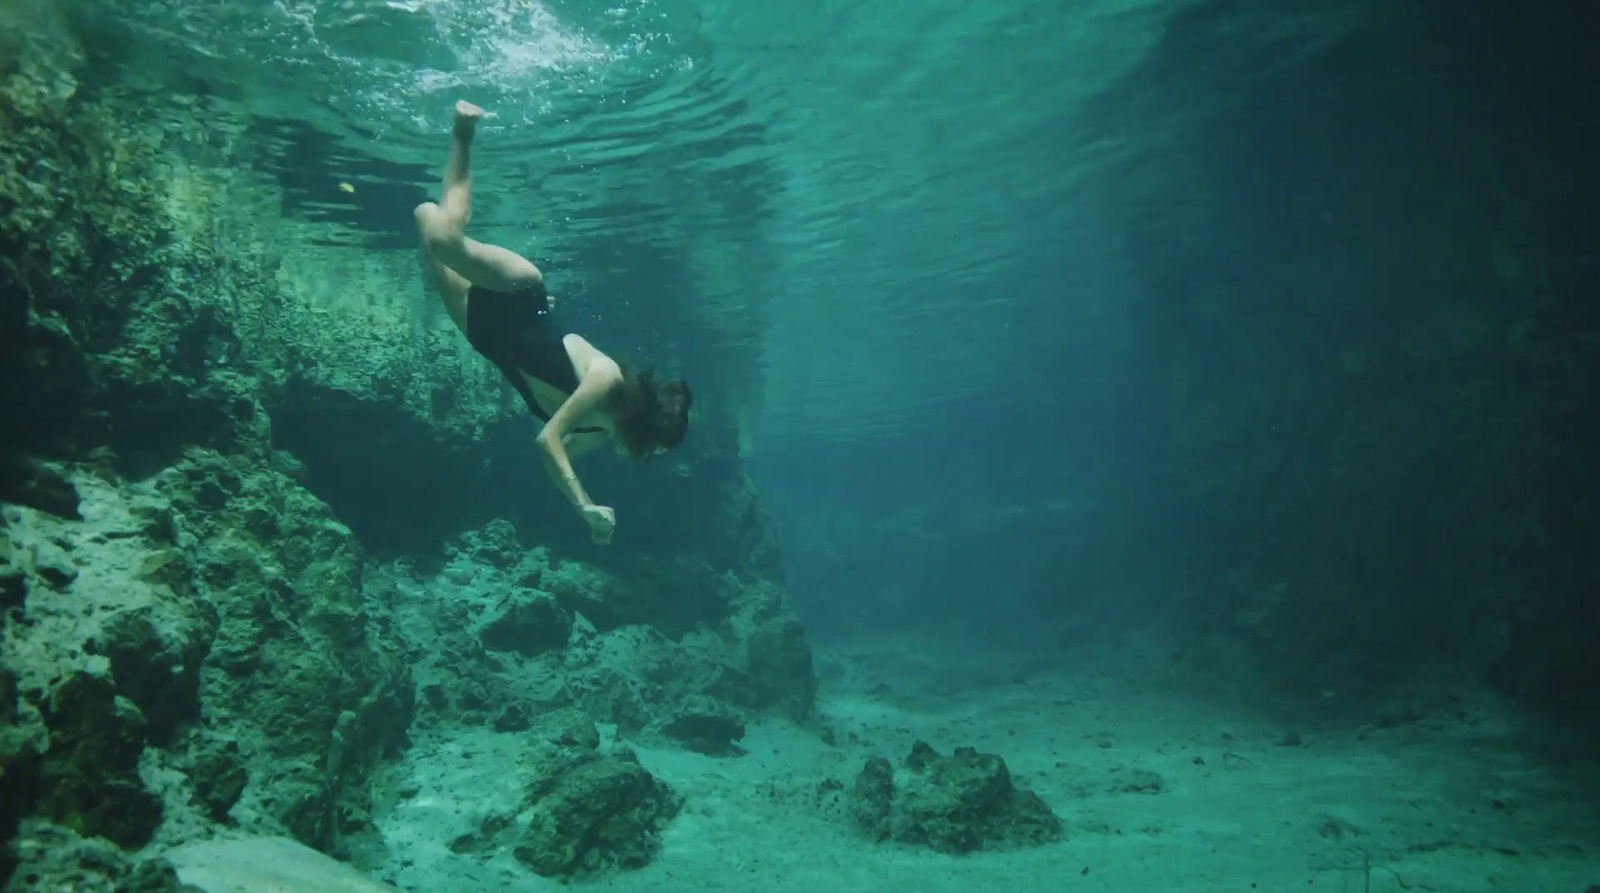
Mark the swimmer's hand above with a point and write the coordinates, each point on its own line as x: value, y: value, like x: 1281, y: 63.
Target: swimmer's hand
x: 602, y: 521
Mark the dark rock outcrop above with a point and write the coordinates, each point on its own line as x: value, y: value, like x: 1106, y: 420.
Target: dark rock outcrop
x: 529, y: 624
x: 591, y: 811
x: 587, y: 810
x: 156, y: 650
x: 22, y: 739
x: 220, y: 589
x: 24, y: 481
x: 955, y: 804
x: 511, y: 627
x: 219, y: 774
x: 90, y: 775
x: 298, y: 642
x: 53, y: 858
x: 706, y: 726
x: 194, y: 634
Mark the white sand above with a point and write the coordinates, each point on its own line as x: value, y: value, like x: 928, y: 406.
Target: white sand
x: 1417, y: 803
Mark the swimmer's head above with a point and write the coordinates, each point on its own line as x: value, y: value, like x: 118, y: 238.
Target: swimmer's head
x: 651, y: 417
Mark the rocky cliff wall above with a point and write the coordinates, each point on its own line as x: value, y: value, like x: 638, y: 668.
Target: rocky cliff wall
x: 254, y: 541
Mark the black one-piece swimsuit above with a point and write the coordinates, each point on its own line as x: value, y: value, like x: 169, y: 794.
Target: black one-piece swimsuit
x: 514, y: 331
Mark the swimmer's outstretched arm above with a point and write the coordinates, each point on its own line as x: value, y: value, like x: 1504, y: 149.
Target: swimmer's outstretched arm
x: 602, y: 375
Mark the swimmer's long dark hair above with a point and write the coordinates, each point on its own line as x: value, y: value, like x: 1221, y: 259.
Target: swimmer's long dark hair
x: 649, y: 416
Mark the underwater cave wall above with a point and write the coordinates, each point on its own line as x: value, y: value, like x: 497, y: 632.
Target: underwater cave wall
x: 1368, y: 284
x: 154, y: 559
x: 150, y: 308
x: 199, y: 465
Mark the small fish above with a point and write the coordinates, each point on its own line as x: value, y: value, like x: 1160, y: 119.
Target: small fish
x: 347, y: 187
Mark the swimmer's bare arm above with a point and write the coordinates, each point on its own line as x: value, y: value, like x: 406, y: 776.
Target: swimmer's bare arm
x: 599, y: 378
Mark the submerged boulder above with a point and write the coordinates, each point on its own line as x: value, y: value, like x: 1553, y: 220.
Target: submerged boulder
x: 956, y: 804
x: 591, y: 811
x: 304, y: 688
x: 51, y: 857
x: 90, y: 774
x: 530, y: 624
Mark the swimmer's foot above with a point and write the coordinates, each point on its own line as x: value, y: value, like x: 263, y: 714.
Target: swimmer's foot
x: 467, y: 116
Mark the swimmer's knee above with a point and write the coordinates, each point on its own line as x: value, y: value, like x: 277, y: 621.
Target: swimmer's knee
x: 437, y: 231
x: 423, y: 214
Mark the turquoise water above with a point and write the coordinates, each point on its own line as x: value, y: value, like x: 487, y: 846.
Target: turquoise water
x: 1184, y: 400
x: 884, y: 201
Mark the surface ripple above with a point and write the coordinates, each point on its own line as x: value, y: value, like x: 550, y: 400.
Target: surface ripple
x: 880, y: 200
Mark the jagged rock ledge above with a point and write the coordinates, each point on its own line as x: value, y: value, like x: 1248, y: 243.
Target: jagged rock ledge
x: 249, y: 547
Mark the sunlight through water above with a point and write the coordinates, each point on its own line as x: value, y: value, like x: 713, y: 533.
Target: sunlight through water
x: 858, y: 190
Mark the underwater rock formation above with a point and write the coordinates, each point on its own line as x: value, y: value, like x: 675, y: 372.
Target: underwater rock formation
x: 503, y: 633
x: 223, y: 513
x: 587, y: 808
x: 73, y: 736
x: 215, y: 615
x: 529, y: 625
x: 590, y: 811
x: 59, y: 859
x: 300, y: 639
x: 953, y: 804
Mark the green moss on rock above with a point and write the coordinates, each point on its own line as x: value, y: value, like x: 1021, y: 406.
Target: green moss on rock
x: 591, y: 812
x: 953, y: 804
x: 90, y: 773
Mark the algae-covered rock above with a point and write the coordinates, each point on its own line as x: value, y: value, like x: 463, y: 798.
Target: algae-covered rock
x: 184, y: 599
x: 22, y: 740
x: 569, y: 729
x: 530, y: 624
x: 872, y: 801
x: 24, y: 481
x: 218, y: 589
x: 496, y: 544
x: 300, y: 679
x: 103, y: 662
x: 156, y: 653
x: 590, y: 812
x: 603, y: 598
x: 219, y: 774
x: 952, y: 804
x: 13, y: 585
x: 770, y: 665
x: 53, y: 858
x: 90, y: 774
x: 497, y: 641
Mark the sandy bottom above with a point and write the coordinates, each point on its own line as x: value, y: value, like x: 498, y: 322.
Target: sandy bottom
x: 1451, y: 806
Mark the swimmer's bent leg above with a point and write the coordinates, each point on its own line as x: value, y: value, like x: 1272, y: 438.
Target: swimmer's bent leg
x: 442, y: 226
x: 486, y: 266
